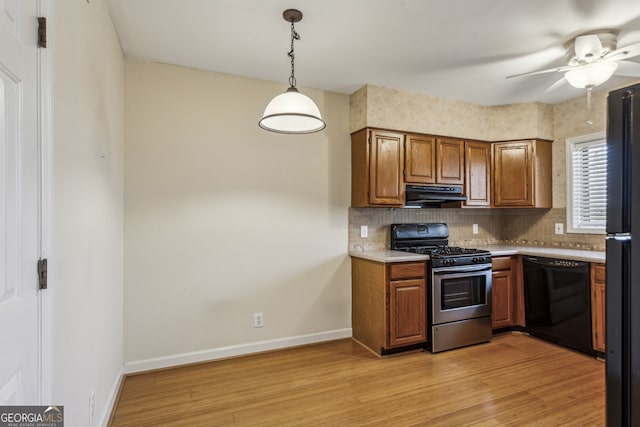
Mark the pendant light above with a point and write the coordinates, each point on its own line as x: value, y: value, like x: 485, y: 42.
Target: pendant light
x: 292, y: 112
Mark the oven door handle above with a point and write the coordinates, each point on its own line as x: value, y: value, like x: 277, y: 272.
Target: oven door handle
x: 463, y: 269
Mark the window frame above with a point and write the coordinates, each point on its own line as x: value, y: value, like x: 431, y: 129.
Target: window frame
x: 570, y: 144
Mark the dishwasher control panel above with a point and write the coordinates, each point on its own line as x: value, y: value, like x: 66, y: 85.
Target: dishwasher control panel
x: 565, y: 263
x: 552, y: 262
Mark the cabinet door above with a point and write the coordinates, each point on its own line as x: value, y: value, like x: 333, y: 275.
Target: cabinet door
x: 513, y: 174
x: 386, y: 186
x: 598, y: 304
x: 420, y: 159
x: 407, y: 304
x: 477, y: 158
x: 449, y: 161
x: 502, y: 298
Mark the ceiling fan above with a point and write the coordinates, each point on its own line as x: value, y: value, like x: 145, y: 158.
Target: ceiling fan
x: 592, y: 58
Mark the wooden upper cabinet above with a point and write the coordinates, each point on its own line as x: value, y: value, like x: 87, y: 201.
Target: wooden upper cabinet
x: 477, y: 158
x: 420, y: 159
x: 522, y: 174
x: 432, y: 160
x: 449, y: 161
x: 386, y: 186
x: 377, y: 163
x: 507, y: 174
x: 513, y: 173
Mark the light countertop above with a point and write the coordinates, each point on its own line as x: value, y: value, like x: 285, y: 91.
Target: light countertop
x: 387, y: 255
x: 381, y: 255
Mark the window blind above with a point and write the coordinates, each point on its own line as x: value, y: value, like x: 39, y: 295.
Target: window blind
x: 589, y: 185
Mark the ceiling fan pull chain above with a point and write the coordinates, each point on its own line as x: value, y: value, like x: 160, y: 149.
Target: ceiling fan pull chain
x: 589, y: 90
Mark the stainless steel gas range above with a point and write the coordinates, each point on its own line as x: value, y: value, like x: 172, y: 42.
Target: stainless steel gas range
x: 459, y: 288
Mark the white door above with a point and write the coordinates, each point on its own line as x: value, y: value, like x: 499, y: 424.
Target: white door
x: 19, y: 206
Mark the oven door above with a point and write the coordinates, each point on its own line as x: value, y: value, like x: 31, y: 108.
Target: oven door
x: 460, y: 293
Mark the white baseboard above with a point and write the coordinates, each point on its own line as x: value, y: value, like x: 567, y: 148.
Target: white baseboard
x: 106, y: 413
x: 234, y: 350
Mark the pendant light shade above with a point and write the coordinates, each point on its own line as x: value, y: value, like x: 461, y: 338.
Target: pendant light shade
x: 292, y: 112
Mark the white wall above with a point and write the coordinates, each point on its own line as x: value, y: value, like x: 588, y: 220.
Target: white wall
x: 224, y: 219
x: 87, y: 262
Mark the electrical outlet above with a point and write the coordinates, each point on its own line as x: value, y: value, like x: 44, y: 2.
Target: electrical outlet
x: 475, y: 228
x: 364, y: 231
x: 559, y: 228
x: 92, y: 405
x: 258, y: 321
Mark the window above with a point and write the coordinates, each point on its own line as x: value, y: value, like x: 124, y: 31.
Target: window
x: 587, y: 184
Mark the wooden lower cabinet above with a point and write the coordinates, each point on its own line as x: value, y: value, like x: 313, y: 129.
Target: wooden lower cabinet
x: 598, y: 304
x: 502, y: 292
x: 388, y: 304
x: 507, y: 293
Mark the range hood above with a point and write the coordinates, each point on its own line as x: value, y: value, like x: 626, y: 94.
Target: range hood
x: 430, y: 196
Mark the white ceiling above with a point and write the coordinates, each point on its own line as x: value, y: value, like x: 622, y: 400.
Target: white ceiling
x: 458, y: 49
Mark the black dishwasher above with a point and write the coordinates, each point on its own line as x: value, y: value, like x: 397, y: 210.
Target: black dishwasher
x: 557, y: 301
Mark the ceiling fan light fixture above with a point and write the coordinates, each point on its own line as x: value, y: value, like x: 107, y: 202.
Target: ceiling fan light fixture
x: 292, y: 112
x: 591, y: 75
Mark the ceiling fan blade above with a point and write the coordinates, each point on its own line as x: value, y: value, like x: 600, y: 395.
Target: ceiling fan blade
x: 630, y: 51
x: 556, y: 85
x: 628, y: 69
x: 588, y: 47
x: 548, y: 70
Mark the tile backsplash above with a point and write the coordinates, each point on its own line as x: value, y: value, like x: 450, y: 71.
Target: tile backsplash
x: 522, y: 227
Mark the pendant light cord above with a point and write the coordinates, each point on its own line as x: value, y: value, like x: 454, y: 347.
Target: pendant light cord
x: 292, y: 55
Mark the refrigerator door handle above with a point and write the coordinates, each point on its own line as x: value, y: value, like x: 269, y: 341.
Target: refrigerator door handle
x: 620, y: 237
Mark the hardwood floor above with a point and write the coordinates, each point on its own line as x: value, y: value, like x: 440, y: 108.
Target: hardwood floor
x: 515, y: 380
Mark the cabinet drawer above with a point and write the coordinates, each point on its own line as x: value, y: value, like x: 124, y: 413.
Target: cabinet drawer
x: 501, y: 263
x: 599, y: 273
x: 407, y: 270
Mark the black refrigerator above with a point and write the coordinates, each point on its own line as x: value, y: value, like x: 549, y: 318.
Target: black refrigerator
x: 623, y: 262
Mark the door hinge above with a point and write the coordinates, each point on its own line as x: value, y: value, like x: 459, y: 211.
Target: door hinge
x: 42, y: 32
x: 42, y: 273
